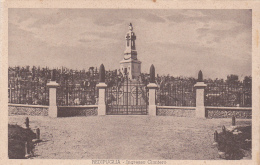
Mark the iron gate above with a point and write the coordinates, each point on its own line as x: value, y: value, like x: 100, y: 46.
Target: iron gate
x: 128, y: 97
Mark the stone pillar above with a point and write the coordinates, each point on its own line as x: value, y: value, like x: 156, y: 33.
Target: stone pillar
x: 152, y: 106
x: 101, y: 100
x: 152, y: 88
x: 53, y: 110
x: 200, y: 87
x: 101, y: 91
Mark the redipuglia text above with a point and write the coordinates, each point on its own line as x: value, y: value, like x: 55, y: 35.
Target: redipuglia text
x: 138, y: 162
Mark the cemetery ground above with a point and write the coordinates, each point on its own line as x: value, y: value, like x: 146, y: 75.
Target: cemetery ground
x: 126, y: 137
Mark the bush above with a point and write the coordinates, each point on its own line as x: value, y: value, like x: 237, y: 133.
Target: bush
x: 234, y: 145
x: 17, y: 136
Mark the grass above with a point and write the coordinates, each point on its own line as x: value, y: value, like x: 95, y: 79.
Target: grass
x: 127, y: 137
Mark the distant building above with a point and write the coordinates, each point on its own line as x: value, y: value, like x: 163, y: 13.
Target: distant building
x: 130, y: 64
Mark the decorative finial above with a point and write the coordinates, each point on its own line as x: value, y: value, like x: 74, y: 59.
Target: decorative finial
x: 102, y: 73
x: 131, y: 27
x: 152, y: 74
x: 200, y: 76
x: 53, y: 75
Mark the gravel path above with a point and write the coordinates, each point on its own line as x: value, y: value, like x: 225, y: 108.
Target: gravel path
x: 126, y: 137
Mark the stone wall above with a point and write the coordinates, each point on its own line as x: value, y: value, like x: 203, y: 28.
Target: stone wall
x: 27, y: 110
x: 228, y: 113
x: 77, y: 111
x: 176, y: 112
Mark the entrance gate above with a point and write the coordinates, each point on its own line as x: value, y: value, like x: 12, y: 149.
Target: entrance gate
x: 128, y: 97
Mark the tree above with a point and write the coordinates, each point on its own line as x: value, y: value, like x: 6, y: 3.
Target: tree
x: 248, y: 81
x: 232, y: 78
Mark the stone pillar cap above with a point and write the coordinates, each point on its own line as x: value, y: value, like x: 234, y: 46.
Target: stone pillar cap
x: 152, y: 85
x: 200, y: 84
x: 52, y: 84
x: 101, y: 85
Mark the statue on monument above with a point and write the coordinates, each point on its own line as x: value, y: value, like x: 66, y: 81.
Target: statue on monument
x: 130, y: 63
x: 130, y: 51
x: 131, y: 27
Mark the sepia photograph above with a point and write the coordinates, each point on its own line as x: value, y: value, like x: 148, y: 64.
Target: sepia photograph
x: 129, y: 86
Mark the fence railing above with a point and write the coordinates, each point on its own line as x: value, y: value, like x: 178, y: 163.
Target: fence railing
x: 79, y: 88
x: 176, y: 93
x: 169, y: 94
x: 76, y: 94
x: 34, y: 92
x: 228, y: 94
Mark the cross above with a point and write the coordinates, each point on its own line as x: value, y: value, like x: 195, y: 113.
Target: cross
x: 127, y: 38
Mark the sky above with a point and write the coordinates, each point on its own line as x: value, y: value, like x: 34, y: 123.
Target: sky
x: 176, y: 42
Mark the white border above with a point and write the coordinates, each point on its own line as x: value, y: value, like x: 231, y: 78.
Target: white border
x: 123, y: 4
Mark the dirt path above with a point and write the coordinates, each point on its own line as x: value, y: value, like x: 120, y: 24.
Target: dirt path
x: 126, y: 137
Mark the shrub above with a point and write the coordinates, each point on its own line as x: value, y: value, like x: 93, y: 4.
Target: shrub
x: 17, y: 136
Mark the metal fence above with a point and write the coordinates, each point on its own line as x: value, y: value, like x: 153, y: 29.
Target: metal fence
x: 27, y: 86
x: 76, y: 88
x: 77, y: 94
x: 223, y: 94
x: 176, y: 92
x: 34, y: 92
x: 127, y: 97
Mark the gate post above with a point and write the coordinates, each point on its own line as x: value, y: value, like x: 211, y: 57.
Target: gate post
x: 101, y: 91
x: 152, y: 88
x: 200, y: 87
x: 53, y: 110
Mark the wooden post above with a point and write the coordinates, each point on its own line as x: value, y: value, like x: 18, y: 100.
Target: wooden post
x: 26, y: 149
x: 233, y: 120
x: 27, y: 123
x: 38, y: 133
x: 224, y: 129
x: 216, y: 136
x: 215, y: 143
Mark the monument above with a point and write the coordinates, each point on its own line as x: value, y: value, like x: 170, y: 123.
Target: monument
x: 130, y: 64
